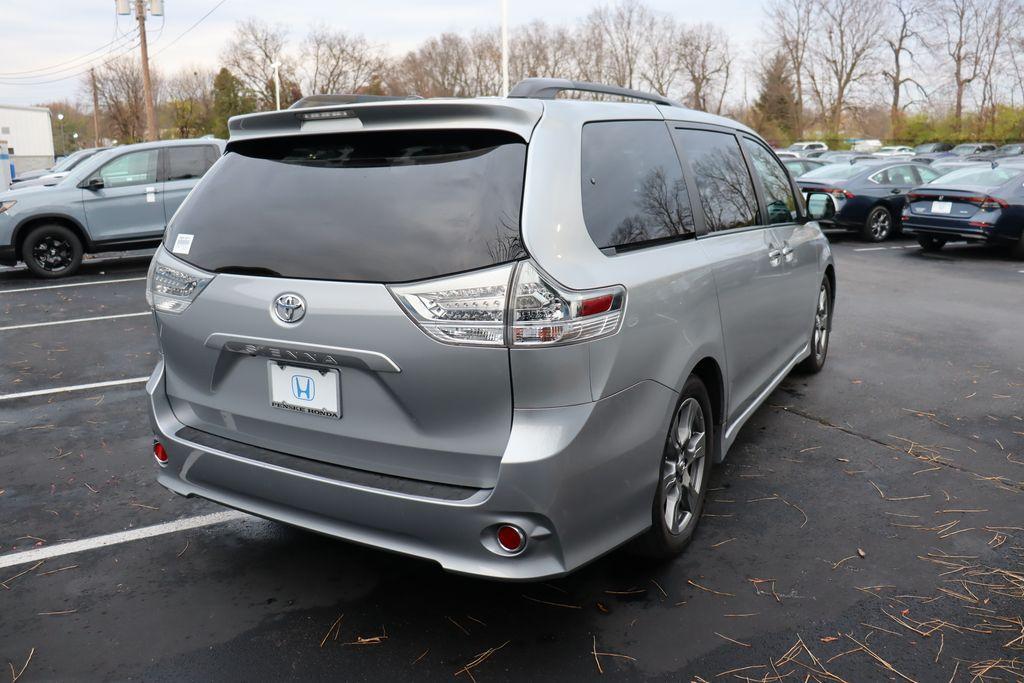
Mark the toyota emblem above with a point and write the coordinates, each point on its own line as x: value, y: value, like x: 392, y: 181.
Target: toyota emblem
x: 289, y: 308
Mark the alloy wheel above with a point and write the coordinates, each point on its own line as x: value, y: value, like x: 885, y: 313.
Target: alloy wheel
x: 682, y: 470
x: 821, y: 315
x: 53, y: 253
x: 879, y: 224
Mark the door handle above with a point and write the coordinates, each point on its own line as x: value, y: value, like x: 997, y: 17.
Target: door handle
x: 774, y: 257
x: 787, y: 253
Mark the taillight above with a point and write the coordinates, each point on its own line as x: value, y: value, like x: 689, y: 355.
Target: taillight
x: 839, y: 193
x: 991, y: 203
x: 464, y: 309
x: 172, y: 285
x: 544, y: 313
x: 476, y: 308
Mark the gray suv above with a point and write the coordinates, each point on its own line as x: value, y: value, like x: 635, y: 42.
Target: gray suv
x: 116, y: 199
x: 505, y: 335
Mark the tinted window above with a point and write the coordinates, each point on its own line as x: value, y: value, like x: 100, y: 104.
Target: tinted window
x: 632, y: 184
x: 723, y: 182
x: 898, y: 175
x: 133, y: 168
x: 183, y: 163
x: 376, y: 207
x: 778, y: 193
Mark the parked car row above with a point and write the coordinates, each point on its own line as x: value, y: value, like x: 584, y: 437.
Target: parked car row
x: 974, y: 201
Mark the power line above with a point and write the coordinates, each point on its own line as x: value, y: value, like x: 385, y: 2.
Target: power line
x: 94, y: 65
x: 186, y: 31
x: 41, y: 71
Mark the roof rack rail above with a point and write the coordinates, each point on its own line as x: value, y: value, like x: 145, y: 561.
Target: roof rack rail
x: 548, y: 89
x: 342, y: 98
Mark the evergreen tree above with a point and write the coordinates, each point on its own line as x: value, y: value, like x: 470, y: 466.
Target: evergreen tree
x: 776, y: 105
x: 229, y: 99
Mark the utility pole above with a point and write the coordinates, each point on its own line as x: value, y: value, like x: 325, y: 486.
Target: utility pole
x: 95, y: 110
x: 147, y: 85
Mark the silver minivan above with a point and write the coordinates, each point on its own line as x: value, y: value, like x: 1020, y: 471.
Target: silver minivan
x: 507, y: 335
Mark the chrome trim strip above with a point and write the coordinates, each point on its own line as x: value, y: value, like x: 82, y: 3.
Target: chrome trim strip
x: 278, y: 349
x: 776, y: 381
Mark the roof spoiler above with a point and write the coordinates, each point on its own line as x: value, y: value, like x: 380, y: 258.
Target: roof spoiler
x: 548, y: 89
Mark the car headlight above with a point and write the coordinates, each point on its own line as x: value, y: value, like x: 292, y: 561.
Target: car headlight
x: 4, y: 205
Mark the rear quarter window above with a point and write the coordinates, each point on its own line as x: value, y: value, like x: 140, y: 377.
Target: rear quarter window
x: 632, y: 185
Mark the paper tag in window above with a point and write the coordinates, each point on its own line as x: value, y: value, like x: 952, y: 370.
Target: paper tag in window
x: 150, y: 195
x: 182, y: 243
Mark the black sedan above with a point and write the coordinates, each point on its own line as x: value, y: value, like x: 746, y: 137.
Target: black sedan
x: 864, y: 197
x: 976, y: 204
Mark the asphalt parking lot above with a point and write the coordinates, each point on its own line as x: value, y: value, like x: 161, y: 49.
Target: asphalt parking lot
x: 869, y: 524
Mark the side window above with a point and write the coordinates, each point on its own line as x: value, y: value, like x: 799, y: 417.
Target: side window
x: 185, y: 163
x: 778, y: 193
x: 723, y: 182
x: 632, y: 184
x: 925, y: 174
x: 134, y: 168
x: 902, y: 175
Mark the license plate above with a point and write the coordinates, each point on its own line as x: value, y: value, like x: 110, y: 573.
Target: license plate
x: 942, y: 207
x: 305, y: 390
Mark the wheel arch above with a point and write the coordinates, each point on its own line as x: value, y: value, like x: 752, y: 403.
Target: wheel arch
x: 22, y: 230
x: 709, y: 371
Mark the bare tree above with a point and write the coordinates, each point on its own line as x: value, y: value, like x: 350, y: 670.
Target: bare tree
x: 250, y: 55
x: 120, y: 92
x: 843, y: 55
x: 661, y: 63
x: 900, y: 43
x: 622, y: 30
x: 1001, y: 19
x: 539, y: 50
x: 190, y: 101
x: 706, y: 62
x: 333, y: 61
x: 437, y: 68
x: 960, y: 32
x: 793, y: 24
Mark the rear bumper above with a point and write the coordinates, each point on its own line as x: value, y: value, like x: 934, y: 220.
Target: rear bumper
x: 579, y: 480
x: 951, y: 232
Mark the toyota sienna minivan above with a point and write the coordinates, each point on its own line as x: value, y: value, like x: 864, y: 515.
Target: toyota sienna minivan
x: 507, y: 335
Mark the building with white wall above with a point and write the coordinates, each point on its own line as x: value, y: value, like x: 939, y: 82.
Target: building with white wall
x: 29, y: 136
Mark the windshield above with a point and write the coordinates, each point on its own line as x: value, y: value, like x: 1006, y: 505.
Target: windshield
x: 984, y: 177
x: 362, y: 207
x: 69, y: 162
x: 796, y: 146
x: 833, y: 172
x: 1010, y: 149
x: 964, y: 149
x: 925, y: 148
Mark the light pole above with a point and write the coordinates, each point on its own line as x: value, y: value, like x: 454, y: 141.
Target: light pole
x: 74, y: 136
x: 60, y: 119
x: 277, y: 84
x: 504, y: 48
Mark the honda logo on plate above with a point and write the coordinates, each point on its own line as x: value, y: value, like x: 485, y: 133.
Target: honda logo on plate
x: 303, y: 388
x: 289, y: 308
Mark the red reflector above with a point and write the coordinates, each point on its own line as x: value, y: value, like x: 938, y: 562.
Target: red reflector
x: 510, y: 538
x: 599, y: 304
x: 159, y: 452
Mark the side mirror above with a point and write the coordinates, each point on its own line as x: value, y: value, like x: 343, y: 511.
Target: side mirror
x: 820, y: 206
x: 94, y: 183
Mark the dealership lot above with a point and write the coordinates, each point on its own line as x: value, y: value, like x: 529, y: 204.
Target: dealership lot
x: 869, y: 524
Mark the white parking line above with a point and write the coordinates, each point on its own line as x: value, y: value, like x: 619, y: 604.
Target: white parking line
x: 870, y: 248
x: 87, y: 261
x: 77, y: 387
x: 75, y: 320
x: 73, y: 284
x: 139, y: 534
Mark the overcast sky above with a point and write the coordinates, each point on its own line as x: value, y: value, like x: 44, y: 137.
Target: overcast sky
x: 54, y: 40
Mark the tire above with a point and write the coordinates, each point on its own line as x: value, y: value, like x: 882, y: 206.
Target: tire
x: 52, y: 251
x: 878, y: 226
x: 929, y: 243
x: 1017, y: 249
x: 821, y: 331
x: 682, y: 490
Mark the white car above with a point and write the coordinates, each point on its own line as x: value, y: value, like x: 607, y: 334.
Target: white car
x: 805, y: 148
x: 868, y: 146
x: 894, y: 150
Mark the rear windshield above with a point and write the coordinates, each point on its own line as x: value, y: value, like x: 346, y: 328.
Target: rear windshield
x: 833, y: 172
x: 363, y: 207
x: 984, y: 177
